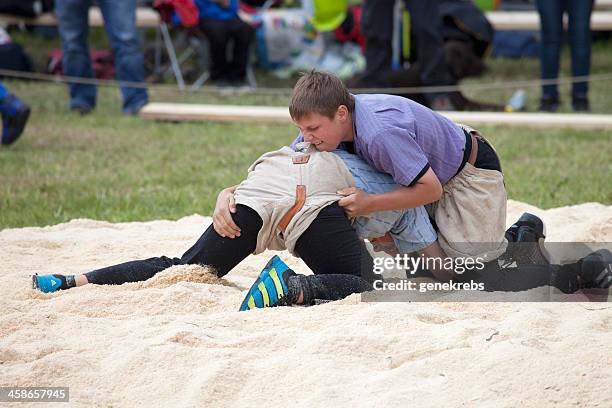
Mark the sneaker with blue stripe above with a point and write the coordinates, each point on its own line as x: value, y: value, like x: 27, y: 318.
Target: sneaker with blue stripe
x: 270, y: 288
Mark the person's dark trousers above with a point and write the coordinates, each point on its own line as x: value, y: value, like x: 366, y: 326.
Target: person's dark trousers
x: 120, y: 24
x: 221, y: 254
x: 337, y: 256
x: 518, y: 278
x: 426, y: 24
x: 330, y: 248
x: 377, y: 25
x: 219, y: 35
x: 551, y: 21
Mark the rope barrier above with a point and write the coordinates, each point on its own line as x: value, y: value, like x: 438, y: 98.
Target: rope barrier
x: 287, y: 91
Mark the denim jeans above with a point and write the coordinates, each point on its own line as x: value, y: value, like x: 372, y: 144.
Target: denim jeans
x: 120, y: 24
x: 3, y: 91
x: 410, y: 228
x: 551, y: 18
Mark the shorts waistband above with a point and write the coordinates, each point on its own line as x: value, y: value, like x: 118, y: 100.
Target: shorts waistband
x: 467, y: 151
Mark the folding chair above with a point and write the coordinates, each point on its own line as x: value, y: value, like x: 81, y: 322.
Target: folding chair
x: 188, y: 16
x: 189, y: 39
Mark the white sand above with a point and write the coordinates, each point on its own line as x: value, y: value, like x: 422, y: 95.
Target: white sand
x: 177, y: 340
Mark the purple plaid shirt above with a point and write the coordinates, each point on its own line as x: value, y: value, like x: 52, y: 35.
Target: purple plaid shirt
x: 403, y: 138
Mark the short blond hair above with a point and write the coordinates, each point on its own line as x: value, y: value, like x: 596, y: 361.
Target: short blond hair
x: 319, y: 92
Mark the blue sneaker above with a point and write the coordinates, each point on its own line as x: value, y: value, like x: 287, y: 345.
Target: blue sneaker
x: 270, y: 289
x: 49, y: 283
x: 15, y: 114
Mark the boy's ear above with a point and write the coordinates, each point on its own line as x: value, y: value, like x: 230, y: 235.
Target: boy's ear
x: 342, y: 112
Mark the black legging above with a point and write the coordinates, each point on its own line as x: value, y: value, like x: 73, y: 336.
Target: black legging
x: 330, y: 247
x: 524, y: 277
x: 513, y: 278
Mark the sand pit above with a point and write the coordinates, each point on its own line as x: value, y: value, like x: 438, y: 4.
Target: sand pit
x: 177, y: 340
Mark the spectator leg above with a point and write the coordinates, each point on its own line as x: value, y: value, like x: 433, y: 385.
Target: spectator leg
x: 217, y: 34
x: 551, y: 23
x: 426, y: 25
x: 73, y: 28
x: 580, y: 41
x: 243, y: 36
x: 120, y: 23
x: 377, y: 27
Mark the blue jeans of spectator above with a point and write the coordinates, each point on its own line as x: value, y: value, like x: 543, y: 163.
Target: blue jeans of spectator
x: 410, y: 228
x: 551, y: 18
x: 3, y: 91
x: 120, y: 25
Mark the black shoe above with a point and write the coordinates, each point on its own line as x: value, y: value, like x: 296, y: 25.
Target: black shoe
x: 596, y: 269
x: 526, y: 241
x: 548, y: 104
x: 529, y: 227
x: 580, y: 104
x: 81, y: 110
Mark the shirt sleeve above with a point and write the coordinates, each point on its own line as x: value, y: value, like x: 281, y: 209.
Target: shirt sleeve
x: 396, y: 152
x: 298, y: 139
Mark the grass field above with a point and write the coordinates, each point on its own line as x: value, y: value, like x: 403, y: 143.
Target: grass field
x: 108, y: 166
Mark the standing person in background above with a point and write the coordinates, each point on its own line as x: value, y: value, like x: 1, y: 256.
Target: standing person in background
x: 120, y: 24
x: 220, y: 23
x: 377, y: 26
x: 551, y: 23
x: 15, y: 114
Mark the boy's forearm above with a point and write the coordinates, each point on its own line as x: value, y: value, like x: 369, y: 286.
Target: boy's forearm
x: 426, y: 190
x: 404, y: 197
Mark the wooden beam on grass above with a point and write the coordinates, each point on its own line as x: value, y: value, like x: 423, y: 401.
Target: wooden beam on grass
x: 534, y: 120
x: 224, y: 113
x: 233, y: 113
x: 530, y: 20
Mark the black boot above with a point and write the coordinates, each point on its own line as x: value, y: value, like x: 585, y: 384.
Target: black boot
x: 596, y: 269
x: 580, y: 103
x: 526, y: 241
x: 549, y: 104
